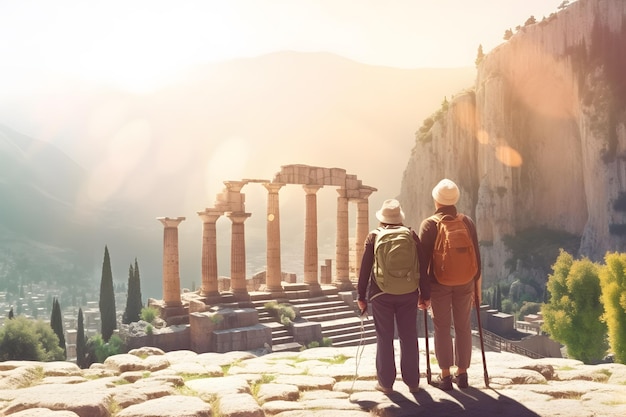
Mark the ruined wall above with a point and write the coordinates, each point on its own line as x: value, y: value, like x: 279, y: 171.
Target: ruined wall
x: 540, y: 139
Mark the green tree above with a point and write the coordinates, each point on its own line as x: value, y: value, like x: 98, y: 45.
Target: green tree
x: 29, y: 340
x: 56, y: 323
x: 480, y: 55
x: 11, y: 315
x: 107, y: 299
x: 573, y: 314
x: 132, y: 312
x: 530, y: 21
x: 613, y: 283
x: 81, y: 342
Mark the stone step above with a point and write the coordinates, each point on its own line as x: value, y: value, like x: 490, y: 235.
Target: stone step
x: 340, y: 322
x: 344, y: 323
x: 321, y: 307
x: 356, y: 342
x: 281, y: 340
x: 331, y: 315
x: 287, y: 347
x: 352, y: 335
x: 347, y: 329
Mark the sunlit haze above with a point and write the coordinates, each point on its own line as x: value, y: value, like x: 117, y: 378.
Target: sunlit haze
x: 139, y: 45
x: 156, y: 103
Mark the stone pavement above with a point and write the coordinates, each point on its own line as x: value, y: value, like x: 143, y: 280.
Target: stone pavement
x: 312, y: 383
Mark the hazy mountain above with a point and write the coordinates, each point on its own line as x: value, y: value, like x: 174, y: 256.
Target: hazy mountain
x: 167, y: 153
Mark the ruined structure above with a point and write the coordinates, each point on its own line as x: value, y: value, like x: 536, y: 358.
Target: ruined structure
x: 214, y: 320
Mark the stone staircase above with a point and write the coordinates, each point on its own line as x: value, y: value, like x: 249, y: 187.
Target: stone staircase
x: 339, y: 321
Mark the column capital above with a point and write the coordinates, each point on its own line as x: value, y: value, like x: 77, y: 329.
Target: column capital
x: 210, y: 215
x: 238, y: 216
x: 169, y: 222
x: 366, y: 192
x: 273, y: 187
x: 235, y: 186
x: 342, y: 192
x: 311, y: 189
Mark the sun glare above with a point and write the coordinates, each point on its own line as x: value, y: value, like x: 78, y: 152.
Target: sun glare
x: 227, y: 162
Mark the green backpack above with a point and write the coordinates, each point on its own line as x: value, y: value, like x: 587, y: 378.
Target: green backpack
x: 396, y: 268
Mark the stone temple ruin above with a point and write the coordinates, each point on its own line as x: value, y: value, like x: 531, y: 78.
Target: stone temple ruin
x: 215, y: 320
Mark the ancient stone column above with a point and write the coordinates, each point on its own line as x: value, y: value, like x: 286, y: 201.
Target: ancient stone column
x: 342, y: 250
x: 233, y: 196
x: 362, y: 225
x: 310, y: 237
x: 273, y: 278
x: 238, y: 254
x: 209, y: 252
x: 171, y: 272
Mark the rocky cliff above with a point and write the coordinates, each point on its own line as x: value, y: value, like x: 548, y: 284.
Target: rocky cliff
x: 540, y: 139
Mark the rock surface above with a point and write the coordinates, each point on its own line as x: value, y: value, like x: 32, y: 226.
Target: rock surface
x: 538, y: 140
x: 314, y: 382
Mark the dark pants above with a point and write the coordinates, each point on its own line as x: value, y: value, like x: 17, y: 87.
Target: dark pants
x: 402, y: 309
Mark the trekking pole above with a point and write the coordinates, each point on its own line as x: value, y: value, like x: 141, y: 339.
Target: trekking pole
x: 480, y: 332
x: 428, y: 374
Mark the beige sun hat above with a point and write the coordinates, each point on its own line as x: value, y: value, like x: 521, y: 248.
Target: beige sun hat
x: 390, y: 212
x: 446, y: 192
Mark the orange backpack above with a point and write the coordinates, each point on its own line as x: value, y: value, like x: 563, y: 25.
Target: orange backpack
x: 454, y: 255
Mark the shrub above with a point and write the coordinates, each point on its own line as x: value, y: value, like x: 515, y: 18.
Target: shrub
x: 529, y: 308
x: 99, y: 350
x: 283, y: 313
x: 573, y: 314
x: 148, y: 314
x: 34, y: 340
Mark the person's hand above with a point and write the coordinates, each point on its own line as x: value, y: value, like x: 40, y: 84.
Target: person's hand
x: 362, y: 306
x: 423, y: 304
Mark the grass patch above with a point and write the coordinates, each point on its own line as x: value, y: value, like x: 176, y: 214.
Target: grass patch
x: 265, y: 379
x: 191, y: 377
x: 226, y: 368
x: 336, y: 360
x: 114, y: 407
x: 121, y: 382
x: 185, y: 390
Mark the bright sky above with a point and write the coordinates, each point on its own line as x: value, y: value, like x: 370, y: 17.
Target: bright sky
x: 138, y: 44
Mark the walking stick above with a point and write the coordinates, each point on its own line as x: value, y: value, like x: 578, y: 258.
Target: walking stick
x: 428, y: 374
x: 480, y: 332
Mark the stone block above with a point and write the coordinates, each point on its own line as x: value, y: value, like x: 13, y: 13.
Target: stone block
x: 201, y: 329
x: 241, y: 339
x: 307, y: 332
x: 501, y: 323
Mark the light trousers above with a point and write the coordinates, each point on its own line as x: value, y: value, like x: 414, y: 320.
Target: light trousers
x: 452, y: 305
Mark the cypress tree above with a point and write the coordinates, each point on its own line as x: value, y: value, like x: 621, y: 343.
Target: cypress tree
x: 11, y: 315
x: 56, y: 322
x: 498, y: 298
x: 81, y: 343
x: 133, y: 298
x: 107, y: 299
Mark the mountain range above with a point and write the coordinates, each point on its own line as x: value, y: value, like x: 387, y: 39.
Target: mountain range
x: 91, y: 166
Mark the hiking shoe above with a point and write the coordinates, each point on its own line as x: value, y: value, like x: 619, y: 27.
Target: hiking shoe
x: 383, y: 389
x: 461, y: 380
x: 444, y: 383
